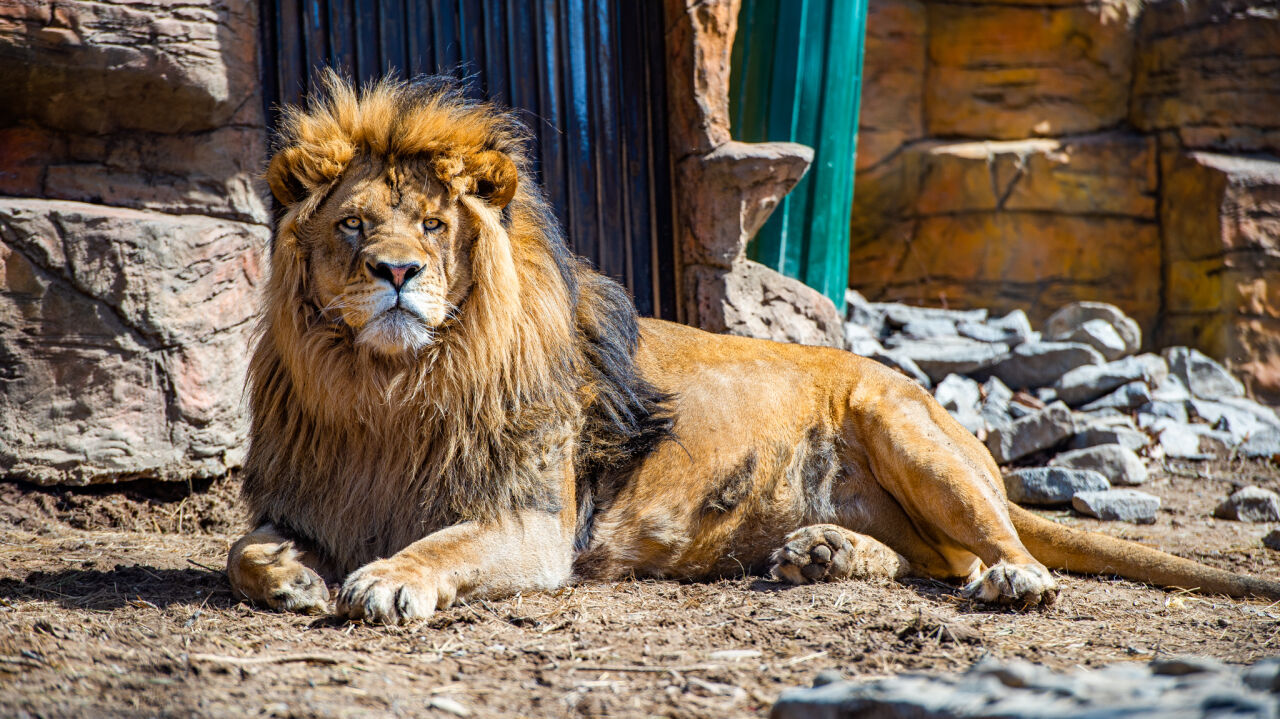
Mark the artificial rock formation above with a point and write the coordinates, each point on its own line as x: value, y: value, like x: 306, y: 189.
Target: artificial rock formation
x: 131, y: 233
x: 1019, y: 154
x: 725, y: 190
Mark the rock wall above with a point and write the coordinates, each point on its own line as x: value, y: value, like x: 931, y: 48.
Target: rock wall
x: 1018, y: 154
x: 725, y: 190
x: 131, y: 236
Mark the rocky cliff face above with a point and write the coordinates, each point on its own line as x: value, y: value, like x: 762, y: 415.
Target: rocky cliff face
x: 131, y: 236
x: 1027, y: 154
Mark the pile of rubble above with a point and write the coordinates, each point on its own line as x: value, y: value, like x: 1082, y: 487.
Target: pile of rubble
x: 1183, y: 688
x: 1073, y: 411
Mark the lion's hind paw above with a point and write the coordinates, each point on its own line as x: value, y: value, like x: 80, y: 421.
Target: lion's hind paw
x: 826, y: 552
x: 1020, y: 584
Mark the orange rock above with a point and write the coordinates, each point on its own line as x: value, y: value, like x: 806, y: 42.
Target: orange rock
x: 1011, y: 72
x: 893, y: 69
x: 1207, y: 69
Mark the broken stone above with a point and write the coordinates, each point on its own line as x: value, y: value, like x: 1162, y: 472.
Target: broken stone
x: 1134, y: 394
x: 1125, y: 505
x: 1154, y: 410
x: 1040, y: 364
x: 926, y: 329
x: 1012, y: 329
x: 1265, y: 444
x: 1272, y: 540
x: 1100, y: 335
x: 959, y: 396
x: 1070, y: 319
x: 1202, y: 376
x: 1037, y: 431
x: 1241, y: 417
x: 903, y: 364
x: 1123, y: 436
x: 1179, y: 441
x: 1090, y: 382
x: 942, y: 356
x: 1121, y: 466
x: 1250, y: 504
x: 1049, y: 486
x: 860, y: 341
x: 901, y: 315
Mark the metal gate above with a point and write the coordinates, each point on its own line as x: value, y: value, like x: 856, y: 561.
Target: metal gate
x: 588, y: 77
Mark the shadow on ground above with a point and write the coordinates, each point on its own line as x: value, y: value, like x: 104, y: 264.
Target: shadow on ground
x: 124, y: 585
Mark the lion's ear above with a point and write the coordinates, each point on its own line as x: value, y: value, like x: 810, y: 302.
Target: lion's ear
x: 496, y: 177
x: 297, y: 172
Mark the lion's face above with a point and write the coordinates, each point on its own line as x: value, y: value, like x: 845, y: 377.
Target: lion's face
x: 386, y: 254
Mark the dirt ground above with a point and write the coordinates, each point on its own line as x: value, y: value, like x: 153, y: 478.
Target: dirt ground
x: 113, y: 603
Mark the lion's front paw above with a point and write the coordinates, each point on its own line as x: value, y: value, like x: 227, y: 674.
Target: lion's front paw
x: 387, y: 592
x: 825, y: 552
x: 274, y: 575
x: 1004, y: 583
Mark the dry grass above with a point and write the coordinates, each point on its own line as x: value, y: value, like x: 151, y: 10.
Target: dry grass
x: 113, y: 604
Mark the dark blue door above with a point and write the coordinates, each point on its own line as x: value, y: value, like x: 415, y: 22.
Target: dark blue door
x: 587, y: 75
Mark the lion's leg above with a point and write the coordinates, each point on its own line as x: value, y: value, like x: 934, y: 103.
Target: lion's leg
x: 530, y: 551
x: 826, y: 552
x: 266, y: 567
x: 946, y: 481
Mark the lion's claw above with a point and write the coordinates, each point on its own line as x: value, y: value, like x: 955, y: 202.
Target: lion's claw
x: 382, y: 593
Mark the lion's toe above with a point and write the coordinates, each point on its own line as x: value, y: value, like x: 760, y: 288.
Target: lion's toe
x: 305, y: 593
x: 1021, y: 584
x: 813, y: 554
x: 385, y: 595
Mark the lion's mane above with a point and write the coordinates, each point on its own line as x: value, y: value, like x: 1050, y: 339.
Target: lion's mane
x: 358, y: 454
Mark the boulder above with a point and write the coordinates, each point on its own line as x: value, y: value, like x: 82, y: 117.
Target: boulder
x: 105, y: 67
x: 1125, y: 505
x: 1012, y: 225
x: 1040, y: 364
x: 1090, y: 382
x: 1004, y: 71
x: 1085, y: 319
x: 1202, y: 70
x: 1222, y: 285
x: 1120, y: 465
x: 1134, y: 394
x: 1051, y: 486
x: 942, y: 356
x: 960, y: 397
x: 1038, y: 431
x: 1250, y: 504
x: 131, y: 342
x: 752, y: 300
x: 893, y: 73
x: 1202, y: 376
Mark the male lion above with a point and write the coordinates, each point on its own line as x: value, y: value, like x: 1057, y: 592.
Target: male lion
x: 448, y: 404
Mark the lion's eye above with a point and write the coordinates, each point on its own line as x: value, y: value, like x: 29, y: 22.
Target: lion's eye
x: 431, y: 224
x: 351, y: 223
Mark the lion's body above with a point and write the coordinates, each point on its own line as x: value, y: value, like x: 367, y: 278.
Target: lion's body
x: 447, y: 404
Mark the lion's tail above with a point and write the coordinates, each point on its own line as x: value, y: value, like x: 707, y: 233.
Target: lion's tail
x: 1073, y: 550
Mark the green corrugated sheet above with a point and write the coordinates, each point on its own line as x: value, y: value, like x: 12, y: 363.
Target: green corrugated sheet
x: 797, y: 77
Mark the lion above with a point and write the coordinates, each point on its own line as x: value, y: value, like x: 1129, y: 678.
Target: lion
x: 447, y: 404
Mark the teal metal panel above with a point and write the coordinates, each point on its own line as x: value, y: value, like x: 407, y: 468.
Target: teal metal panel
x: 797, y: 77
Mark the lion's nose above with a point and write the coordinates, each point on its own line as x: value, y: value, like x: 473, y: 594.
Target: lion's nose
x: 397, y: 275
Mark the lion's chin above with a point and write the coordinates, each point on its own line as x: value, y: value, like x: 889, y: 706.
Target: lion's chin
x: 396, y: 332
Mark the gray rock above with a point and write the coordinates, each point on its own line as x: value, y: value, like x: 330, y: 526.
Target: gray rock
x: 1126, y: 505
x: 1046, y: 394
x: 1241, y: 417
x: 1040, y: 364
x: 1170, y: 688
x: 1263, y: 445
x: 1121, y: 466
x: 1272, y: 540
x: 858, y: 311
x: 860, y: 340
x: 929, y: 328
x: 995, y: 403
x: 1012, y: 329
x: 1179, y: 441
x: 1168, y: 388
x: 1068, y: 320
x: 900, y: 314
x: 1100, y: 335
x: 942, y: 356
x: 1250, y: 504
x: 1156, y: 410
x: 1202, y: 376
x: 903, y: 364
x: 1090, y: 382
x: 1049, y: 486
x: 1125, y: 437
x: 1037, y: 431
x: 1134, y: 394
x: 960, y: 396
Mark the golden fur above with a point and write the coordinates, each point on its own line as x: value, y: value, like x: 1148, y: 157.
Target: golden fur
x: 447, y: 404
